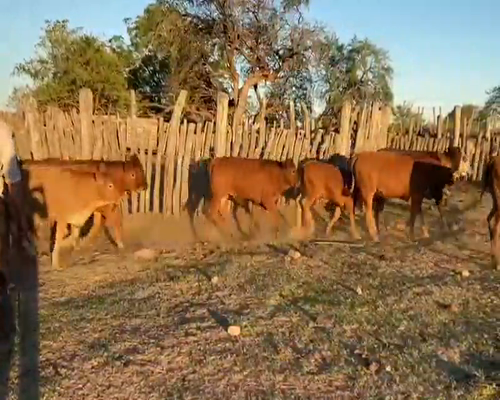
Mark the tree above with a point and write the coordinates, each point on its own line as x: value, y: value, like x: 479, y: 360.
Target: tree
x: 359, y: 71
x: 68, y: 59
x: 402, y: 115
x: 492, y: 105
x: 229, y: 45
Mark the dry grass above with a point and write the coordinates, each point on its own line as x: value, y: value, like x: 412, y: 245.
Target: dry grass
x: 393, y: 320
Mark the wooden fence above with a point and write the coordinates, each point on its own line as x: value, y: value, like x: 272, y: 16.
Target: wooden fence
x: 169, y: 149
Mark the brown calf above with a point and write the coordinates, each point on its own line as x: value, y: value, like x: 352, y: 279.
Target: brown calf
x: 322, y: 181
x: 245, y: 180
x: 129, y: 173
x: 490, y: 183
x: 70, y: 197
x: 386, y: 174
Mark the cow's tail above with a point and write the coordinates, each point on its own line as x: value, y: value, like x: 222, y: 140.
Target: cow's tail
x: 486, y: 179
x: 300, y: 189
x: 354, y: 190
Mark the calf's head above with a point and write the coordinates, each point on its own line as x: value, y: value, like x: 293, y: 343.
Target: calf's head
x: 134, y: 176
x: 108, y: 189
x: 290, y: 172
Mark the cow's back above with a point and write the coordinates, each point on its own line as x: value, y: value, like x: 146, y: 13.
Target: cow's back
x: 245, y: 177
x: 387, y: 172
x: 69, y: 193
x: 130, y: 172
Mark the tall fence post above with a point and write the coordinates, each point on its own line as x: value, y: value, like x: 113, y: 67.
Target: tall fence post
x: 383, y: 141
x: 344, y: 145
x: 86, y: 111
x: 173, y: 135
x: 456, y: 126
x: 221, y: 124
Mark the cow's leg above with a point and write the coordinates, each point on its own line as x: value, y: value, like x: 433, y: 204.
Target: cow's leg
x: 59, y: 243
x: 271, y: 205
x: 349, y: 207
x: 217, y: 216
x: 234, y: 213
x: 299, y: 214
x: 93, y: 232
x: 370, y: 221
x: 333, y: 220
x: 308, y: 225
x: 494, y: 241
x: 113, y: 217
x: 379, y: 203
x: 416, y: 208
x: 490, y: 216
x: 442, y: 217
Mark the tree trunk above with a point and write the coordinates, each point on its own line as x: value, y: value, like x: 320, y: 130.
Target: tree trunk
x: 241, y: 106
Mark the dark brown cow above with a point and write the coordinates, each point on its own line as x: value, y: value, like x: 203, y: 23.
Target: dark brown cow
x: 322, y: 181
x: 386, y: 174
x: 129, y: 173
x: 490, y: 183
x: 70, y: 197
x: 245, y: 180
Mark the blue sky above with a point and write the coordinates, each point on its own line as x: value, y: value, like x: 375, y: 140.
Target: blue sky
x: 444, y: 52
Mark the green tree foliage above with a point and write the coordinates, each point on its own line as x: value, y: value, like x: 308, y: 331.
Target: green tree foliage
x: 229, y: 45
x: 402, y: 115
x: 492, y: 105
x: 250, y: 49
x: 69, y: 59
x: 359, y: 71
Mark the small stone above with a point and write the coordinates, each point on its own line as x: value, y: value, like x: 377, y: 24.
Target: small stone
x: 234, y: 330
x: 453, y: 308
x: 374, y: 367
x: 294, y: 254
x: 145, y: 254
x: 465, y: 273
x: 359, y: 290
x: 214, y: 279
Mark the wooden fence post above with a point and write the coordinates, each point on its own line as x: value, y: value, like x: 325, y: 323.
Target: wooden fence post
x: 221, y: 124
x: 344, y: 144
x: 439, y: 127
x: 383, y: 141
x: 86, y: 111
x: 456, y: 126
x: 173, y: 135
x: 37, y: 145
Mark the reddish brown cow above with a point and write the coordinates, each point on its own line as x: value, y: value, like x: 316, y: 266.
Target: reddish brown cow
x: 490, y: 183
x: 322, y: 181
x: 246, y: 180
x: 387, y: 174
x: 129, y: 173
x: 70, y: 197
x: 452, y: 158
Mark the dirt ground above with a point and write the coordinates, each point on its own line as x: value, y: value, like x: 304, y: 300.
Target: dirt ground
x: 318, y: 319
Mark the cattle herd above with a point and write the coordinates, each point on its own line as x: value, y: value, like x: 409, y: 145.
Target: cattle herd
x: 67, y: 193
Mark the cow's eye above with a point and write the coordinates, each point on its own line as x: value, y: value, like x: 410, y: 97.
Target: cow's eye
x: 132, y: 175
x: 110, y: 186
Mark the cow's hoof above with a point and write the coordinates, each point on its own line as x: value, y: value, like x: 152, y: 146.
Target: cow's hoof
x: 425, y: 234
x: 120, y: 245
